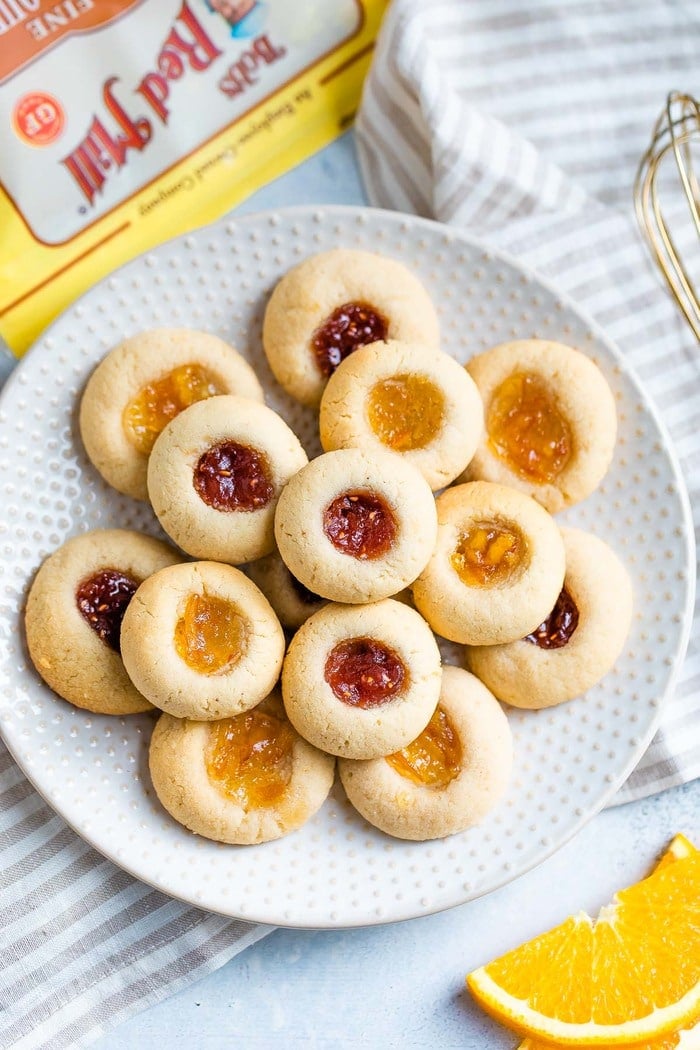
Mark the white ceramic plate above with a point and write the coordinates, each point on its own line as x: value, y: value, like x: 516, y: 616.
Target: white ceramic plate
x: 337, y: 871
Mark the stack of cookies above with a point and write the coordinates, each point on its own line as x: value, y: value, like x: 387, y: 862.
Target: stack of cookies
x: 292, y: 626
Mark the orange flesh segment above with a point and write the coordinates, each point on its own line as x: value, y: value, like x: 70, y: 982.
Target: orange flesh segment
x: 680, y: 847
x: 525, y: 972
x: 405, y: 411
x: 434, y: 758
x: 642, y: 955
x: 158, y: 402
x: 250, y: 757
x: 487, y: 553
x: 210, y: 635
x: 526, y: 429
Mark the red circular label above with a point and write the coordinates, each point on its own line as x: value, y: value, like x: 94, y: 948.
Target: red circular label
x: 38, y: 118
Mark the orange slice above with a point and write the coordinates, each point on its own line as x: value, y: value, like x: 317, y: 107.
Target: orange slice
x: 680, y: 847
x: 632, y: 977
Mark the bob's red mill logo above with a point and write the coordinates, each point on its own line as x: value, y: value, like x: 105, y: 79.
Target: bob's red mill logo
x: 114, y: 133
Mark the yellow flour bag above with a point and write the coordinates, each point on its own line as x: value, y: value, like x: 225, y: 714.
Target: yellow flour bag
x: 126, y: 122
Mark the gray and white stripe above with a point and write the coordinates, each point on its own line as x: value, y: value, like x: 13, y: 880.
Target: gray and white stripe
x: 84, y: 945
x: 525, y: 124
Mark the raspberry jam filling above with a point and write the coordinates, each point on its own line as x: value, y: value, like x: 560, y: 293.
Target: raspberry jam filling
x: 160, y: 401
x: 210, y: 635
x: 487, y: 553
x: 527, y: 430
x: 349, y: 326
x: 556, y: 631
x: 102, y: 600
x: 363, y: 672
x: 360, y: 524
x: 232, y: 477
x: 433, y: 759
x: 249, y: 757
x: 405, y: 411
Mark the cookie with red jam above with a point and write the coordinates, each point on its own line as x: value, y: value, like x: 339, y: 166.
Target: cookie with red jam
x: 550, y: 421
x: 355, y: 526
x: 74, y: 614
x: 215, y: 475
x: 362, y: 681
x: 446, y: 780
x: 144, y: 383
x: 579, y: 640
x: 201, y: 641
x: 408, y: 399
x: 246, y: 779
x: 497, y: 567
x: 334, y: 302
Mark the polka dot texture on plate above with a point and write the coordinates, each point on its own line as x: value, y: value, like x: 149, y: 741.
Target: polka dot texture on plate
x: 336, y: 871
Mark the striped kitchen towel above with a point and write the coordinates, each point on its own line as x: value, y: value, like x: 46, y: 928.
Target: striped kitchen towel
x: 84, y: 945
x: 524, y: 124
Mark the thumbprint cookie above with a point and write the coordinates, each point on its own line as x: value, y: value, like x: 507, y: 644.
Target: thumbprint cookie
x: 201, y: 641
x: 550, y: 421
x: 355, y: 526
x: 497, y: 567
x: 144, y: 383
x: 215, y: 475
x: 243, y: 780
x: 331, y: 304
x: 292, y: 601
x: 447, y: 779
x: 362, y: 681
x: 408, y: 399
x: 74, y: 614
x: 577, y: 643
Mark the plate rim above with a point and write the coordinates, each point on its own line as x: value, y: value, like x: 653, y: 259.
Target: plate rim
x: 451, y: 234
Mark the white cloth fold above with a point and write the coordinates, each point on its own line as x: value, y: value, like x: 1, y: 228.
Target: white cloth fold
x: 524, y: 125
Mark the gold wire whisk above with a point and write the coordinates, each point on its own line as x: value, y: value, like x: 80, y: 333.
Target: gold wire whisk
x: 675, y: 131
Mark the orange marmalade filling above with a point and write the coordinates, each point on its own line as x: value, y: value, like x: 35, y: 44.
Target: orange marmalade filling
x: 405, y: 411
x: 527, y: 430
x: 160, y: 401
x: 433, y: 759
x: 249, y: 757
x: 210, y: 635
x: 487, y: 553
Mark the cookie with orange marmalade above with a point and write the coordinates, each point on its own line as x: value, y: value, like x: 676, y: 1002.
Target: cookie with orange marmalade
x: 362, y: 681
x: 445, y: 780
x: 74, y: 614
x: 577, y: 643
x: 334, y: 302
x: 356, y: 526
x: 216, y: 473
x: 497, y: 566
x: 408, y: 399
x: 550, y: 421
x: 145, y: 382
x: 246, y: 779
x: 201, y: 641
x: 292, y: 601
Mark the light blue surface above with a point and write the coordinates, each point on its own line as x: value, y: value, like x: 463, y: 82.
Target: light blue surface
x: 400, y: 985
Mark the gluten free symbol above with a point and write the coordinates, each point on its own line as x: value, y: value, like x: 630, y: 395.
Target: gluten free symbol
x: 38, y: 118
